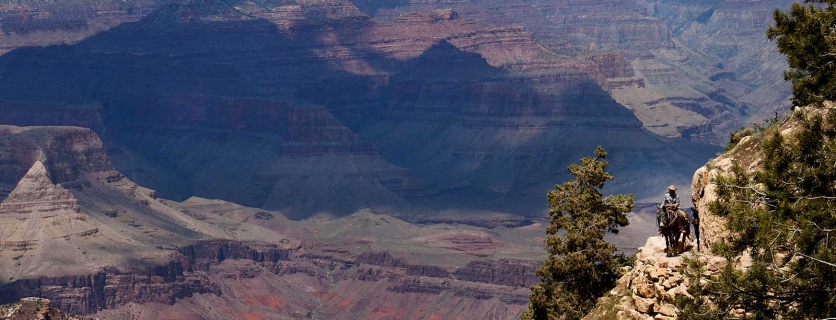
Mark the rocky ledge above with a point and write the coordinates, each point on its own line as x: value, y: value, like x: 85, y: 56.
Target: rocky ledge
x: 649, y: 289
x: 33, y: 308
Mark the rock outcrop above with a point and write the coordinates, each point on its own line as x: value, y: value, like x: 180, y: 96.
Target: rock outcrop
x: 746, y: 155
x: 33, y: 308
x: 504, y: 272
x: 512, y: 273
x: 36, y: 193
x: 65, y: 153
x: 649, y: 289
x: 183, y: 276
x: 86, y: 294
x: 37, y: 198
x: 712, y: 227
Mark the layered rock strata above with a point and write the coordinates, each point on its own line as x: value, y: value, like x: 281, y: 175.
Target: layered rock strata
x: 70, y: 212
x: 708, y: 55
x: 36, y: 193
x: 216, y: 268
x: 36, y: 198
x: 38, y: 23
x: 122, y: 252
x: 337, y: 111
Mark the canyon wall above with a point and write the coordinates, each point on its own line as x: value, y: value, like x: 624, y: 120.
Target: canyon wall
x: 711, y: 55
x: 82, y: 235
x: 710, y: 58
x: 38, y: 23
x: 110, y: 292
x: 338, y: 111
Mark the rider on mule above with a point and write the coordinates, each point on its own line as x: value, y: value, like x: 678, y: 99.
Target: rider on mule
x: 671, y: 202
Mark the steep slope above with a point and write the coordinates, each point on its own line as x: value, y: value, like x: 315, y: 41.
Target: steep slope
x: 732, y: 33
x: 82, y: 235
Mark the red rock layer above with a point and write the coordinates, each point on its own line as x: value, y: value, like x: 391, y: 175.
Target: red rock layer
x: 214, y: 270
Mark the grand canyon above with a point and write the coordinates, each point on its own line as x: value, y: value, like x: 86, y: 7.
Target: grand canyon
x: 335, y: 159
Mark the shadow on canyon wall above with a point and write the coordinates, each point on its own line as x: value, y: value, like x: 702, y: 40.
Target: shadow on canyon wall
x: 201, y: 100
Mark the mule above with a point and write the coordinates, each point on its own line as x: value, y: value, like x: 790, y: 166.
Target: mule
x: 674, y: 226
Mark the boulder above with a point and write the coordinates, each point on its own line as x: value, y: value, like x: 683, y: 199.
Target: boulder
x: 630, y: 315
x: 646, y: 291
x: 666, y: 309
x: 644, y: 305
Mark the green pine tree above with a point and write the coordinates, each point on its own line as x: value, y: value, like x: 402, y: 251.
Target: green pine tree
x: 581, y: 266
x: 784, y: 216
x: 807, y: 36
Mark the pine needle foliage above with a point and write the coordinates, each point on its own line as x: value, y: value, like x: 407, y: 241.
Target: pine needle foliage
x: 784, y: 216
x: 581, y: 266
x: 806, y: 34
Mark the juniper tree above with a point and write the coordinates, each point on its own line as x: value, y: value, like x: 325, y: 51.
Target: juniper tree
x: 581, y: 266
x: 784, y: 216
x: 806, y: 34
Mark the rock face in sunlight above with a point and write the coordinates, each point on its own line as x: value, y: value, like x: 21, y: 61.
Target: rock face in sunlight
x: 36, y: 192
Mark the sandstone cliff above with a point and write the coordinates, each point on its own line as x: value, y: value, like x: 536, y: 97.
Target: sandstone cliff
x: 744, y: 154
